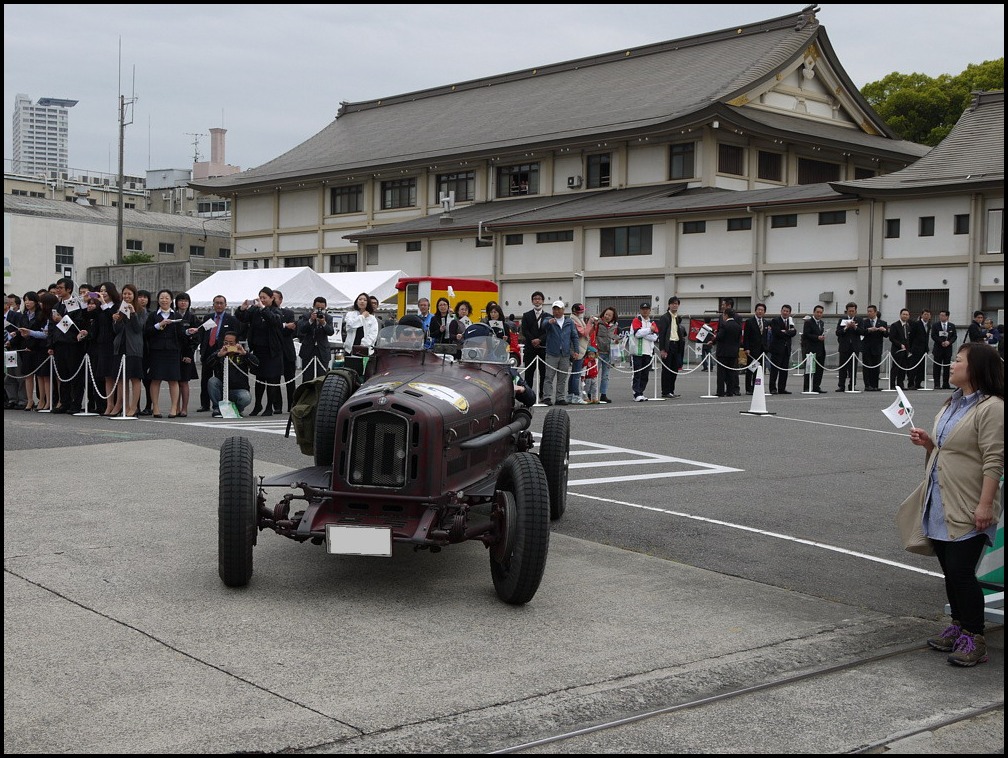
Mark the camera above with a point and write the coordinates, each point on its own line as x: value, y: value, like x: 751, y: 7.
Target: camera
x: 231, y: 348
x: 320, y: 314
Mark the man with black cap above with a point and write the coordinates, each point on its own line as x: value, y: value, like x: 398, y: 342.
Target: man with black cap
x: 671, y: 346
x: 643, y: 336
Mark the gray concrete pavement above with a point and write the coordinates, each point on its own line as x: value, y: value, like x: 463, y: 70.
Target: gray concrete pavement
x: 119, y: 637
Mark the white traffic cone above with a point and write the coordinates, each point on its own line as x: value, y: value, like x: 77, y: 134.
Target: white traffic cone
x: 758, y: 405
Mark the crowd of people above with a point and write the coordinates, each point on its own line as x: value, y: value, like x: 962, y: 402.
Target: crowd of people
x: 555, y: 345
x: 135, y: 342
x: 110, y: 350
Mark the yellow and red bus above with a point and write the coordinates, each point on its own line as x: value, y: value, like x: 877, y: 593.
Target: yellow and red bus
x: 479, y: 292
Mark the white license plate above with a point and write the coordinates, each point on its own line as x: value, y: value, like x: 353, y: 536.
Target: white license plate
x: 358, y: 540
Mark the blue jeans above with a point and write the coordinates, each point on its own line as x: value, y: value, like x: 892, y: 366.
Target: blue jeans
x: 603, y: 364
x: 215, y: 388
x: 574, y: 383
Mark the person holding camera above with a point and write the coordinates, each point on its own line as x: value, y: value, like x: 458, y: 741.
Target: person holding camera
x: 288, y: 328
x: 240, y: 364
x: 314, y: 330
x: 264, y: 323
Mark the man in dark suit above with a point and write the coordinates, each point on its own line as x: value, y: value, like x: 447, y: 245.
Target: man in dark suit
x: 813, y: 342
x: 68, y: 349
x: 920, y: 333
x: 975, y: 331
x: 873, y: 334
x: 533, y: 329
x: 754, y: 341
x: 943, y: 337
x: 899, y: 349
x: 210, y: 342
x: 314, y: 330
x: 671, y: 346
x: 288, y: 329
x: 727, y: 344
x: 782, y: 331
x: 849, y: 340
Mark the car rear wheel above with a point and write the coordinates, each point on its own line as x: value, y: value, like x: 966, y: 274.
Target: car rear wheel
x: 554, y: 452
x: 236, y: 512
x: 335, y: 391
x: 518, y: 568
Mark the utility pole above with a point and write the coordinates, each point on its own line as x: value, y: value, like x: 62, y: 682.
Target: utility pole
x: 123, y: 123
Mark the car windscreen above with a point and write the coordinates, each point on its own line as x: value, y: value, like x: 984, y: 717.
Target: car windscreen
x: 400, y: 337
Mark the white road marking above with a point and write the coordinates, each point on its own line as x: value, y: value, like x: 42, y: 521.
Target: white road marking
x: 763, y: 532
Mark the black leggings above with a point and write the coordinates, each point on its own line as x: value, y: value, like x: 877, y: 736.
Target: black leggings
x: 958, y: 562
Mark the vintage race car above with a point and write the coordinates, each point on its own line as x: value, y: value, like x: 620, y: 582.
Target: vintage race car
x: 429, y: 450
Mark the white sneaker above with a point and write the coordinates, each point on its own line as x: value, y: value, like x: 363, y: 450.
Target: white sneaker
x: 639, y: 399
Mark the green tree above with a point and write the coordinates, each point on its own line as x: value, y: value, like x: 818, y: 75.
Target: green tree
x: 137, y: 258
x: 923, y: 109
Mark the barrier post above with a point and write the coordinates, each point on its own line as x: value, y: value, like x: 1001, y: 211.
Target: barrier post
x: 710, y: 370
x: 808, y: 375
x: 853, y: 375
x: 125, y: 393
x: 655, y: 364
x: 88, y: 377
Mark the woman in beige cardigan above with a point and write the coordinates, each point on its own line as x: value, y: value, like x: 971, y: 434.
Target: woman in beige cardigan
x: 958, y: 512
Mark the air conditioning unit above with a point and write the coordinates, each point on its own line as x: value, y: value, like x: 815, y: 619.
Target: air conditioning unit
x: 574, y: 182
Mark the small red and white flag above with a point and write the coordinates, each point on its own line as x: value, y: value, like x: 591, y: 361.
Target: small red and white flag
x: 900, y: 412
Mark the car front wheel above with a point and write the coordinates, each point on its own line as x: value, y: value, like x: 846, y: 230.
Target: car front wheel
x: 517, y: 563
x: 554, y: 452
x: 236, y: 512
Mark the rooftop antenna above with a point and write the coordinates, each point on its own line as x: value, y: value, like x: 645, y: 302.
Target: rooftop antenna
x: 196, y: 151
x: 125, y: 112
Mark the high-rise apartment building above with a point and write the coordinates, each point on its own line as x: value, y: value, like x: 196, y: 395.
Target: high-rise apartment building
x: 41, y: 136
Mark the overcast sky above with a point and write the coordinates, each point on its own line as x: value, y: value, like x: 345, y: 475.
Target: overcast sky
x: 274, y: 75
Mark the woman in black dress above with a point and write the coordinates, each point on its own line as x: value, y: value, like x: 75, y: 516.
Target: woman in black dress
x: 105, y: 360
x: 163, y: 335
x: 189, y: 340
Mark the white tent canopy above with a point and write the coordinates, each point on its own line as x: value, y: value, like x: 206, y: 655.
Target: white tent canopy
x: 381, y: 284
x: 300, y: 286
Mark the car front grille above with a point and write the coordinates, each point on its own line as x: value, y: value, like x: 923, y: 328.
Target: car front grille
x: 379, y: 450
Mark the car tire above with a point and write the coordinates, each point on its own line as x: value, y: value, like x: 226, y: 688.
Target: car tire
x: 554, y: 452
x: 516, y: 574
x: 335, y: 391
x: 236, y: 512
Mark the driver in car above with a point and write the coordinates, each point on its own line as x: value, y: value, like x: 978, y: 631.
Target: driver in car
x: 410, y: 339
x: 475, y: 337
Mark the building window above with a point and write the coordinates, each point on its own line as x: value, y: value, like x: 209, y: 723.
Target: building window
x: 64, y: 257
x: 992, y: 301
x: 197, y: 250
x: 817, y: 172
x: 740, y: 224
x: 624, y: 240
x: 213, y: 207
x: 784, y: 221
x: 522, y: 179
x: 770, y: 166
x: 349, y: 199
x: 682, y: 161
x: 166, y: 248
x: 731, y: 160
x: 863, y: 173
x: 463, y: 184
x: 832, y: 217
x: 599, y: 170
x: 566, y: 235
x: 994, y: 243
x: 134, y: 246
x: 514, y: 239
x: 484, y: 241
x: 413, y: 246
x: 925, y: 227
x: 960, y: 224
x: 370, y: 255
x: 892, y: 228
x: 342, y: 264
x: 223, y: 252
x: 299, y: 261
x: 399, y: 193
x: 694, y: 227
